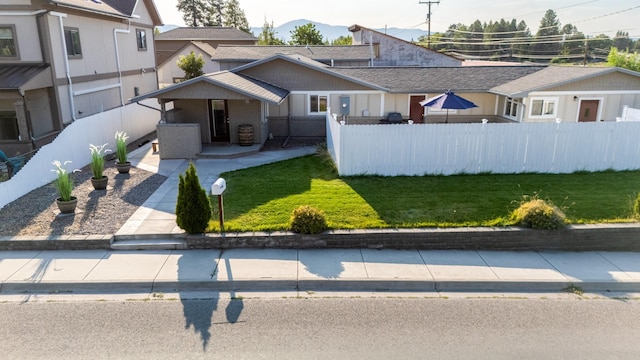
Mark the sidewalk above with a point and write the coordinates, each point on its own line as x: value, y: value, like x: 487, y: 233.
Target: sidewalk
x: 352, y: 270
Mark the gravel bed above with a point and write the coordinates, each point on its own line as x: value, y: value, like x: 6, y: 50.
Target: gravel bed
x: 99, y: 212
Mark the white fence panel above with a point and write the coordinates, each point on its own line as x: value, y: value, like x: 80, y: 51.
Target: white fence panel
x: 447, y: 149
x: 72, y: 144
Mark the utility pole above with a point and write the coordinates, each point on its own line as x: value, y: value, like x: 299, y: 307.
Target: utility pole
x: 429, y: 2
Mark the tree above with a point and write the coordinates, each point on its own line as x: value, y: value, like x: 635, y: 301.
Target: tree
x: 548, y: 34
x: 623, y: 59
x: 234, y: 16
x: 193, y: 209
x: 306, y: 35
x: 191, y: 65
x: 342, y: 40
x: 268, y: 35
x: 215, y: 12
x: 194, y: 12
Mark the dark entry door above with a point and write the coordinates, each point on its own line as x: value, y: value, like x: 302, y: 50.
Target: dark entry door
x: 219, y: 121
x: 588, y: 110
x: 416, y: 111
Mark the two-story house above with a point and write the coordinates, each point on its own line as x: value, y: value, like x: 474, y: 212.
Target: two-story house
x: 62, y: 60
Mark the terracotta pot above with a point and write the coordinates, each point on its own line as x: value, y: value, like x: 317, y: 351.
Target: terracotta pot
x: 124, y: 167
x: 67, y: 207
x: 99, y: 184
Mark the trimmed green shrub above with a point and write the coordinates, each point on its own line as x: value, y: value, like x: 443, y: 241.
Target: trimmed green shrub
x: 538, y: 214
x: 193, y: 209
x: 636, y: 208
x: 308, y: 220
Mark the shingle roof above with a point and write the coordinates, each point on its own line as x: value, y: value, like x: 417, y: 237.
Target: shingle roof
x: 117, y: 7
x: 12, y: 77
x: 552, y: 76
x: 315, y: 52
x: 438, y: 79
x: 204, y: 33
x: 235, y: 82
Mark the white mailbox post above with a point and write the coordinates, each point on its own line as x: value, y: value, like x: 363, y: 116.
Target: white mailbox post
x: 218, y: 187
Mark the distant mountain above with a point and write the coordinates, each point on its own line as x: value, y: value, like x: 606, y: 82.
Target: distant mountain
x: 328, y: 32
x: 332, y: 32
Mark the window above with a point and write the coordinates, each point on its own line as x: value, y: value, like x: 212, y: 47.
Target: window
x: 7, y: 41
x: 141, y: 37
x: 317, y: 103
x: 511, y: 108
x: 72, y: 40
x: 543, y: 107
x: 8, y: 126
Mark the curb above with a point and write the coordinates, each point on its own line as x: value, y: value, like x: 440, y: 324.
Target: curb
x: 336, y: 285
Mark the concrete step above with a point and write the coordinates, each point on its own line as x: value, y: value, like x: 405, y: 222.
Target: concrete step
x: 149, y: 244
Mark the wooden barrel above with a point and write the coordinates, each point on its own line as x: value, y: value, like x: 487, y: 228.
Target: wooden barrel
x: 245, y: 134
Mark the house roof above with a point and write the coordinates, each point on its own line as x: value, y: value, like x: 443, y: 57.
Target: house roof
x: 204, y: 47
x: 553, y: 76
x: 312, y: 64
x: 124, y: 8
x: 205, y: 33
x: 239, y: 83
x: 13, y: 77
x: 315, y: 52
x: 437, y: 79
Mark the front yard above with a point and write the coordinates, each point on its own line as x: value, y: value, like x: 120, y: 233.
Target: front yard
x: 262, y: 198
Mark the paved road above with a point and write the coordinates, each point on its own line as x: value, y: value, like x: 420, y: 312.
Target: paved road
x: 323, y: 328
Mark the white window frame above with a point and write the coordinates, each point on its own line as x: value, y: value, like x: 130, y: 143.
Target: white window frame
x: 545, y: 103
x: 319, y: 95
x: 14, y: 38
x: 518, y: 105
x: 141, y: 39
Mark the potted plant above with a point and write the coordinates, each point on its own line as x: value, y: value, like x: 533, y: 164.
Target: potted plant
x: 64, y: 185
x: 99, y: 181
x: 122, y: 164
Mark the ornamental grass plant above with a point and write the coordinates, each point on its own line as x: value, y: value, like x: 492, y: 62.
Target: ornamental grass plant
x: 121, y: 146
x: 97, y: 159
x: 64, y: 181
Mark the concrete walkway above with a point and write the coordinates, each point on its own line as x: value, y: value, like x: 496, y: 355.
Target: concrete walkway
x: 108, y: 271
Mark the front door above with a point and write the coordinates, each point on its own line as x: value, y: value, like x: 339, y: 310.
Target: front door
x: 416, y: 111
x: 588, y: 110
x: 219, y: 121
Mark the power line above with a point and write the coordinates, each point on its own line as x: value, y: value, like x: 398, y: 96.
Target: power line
x: 429, y: 2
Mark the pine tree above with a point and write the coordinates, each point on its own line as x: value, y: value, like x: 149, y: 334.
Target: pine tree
x: 194, y: 12
x: 268, y: 35
x: 234, y: 16
x: 193, y: 210
x: 215, y: 12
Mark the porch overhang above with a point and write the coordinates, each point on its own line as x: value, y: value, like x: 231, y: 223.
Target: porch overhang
x: 21, y: 78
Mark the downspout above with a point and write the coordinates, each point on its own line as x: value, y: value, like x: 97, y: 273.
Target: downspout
x: 66, y: 63
x: 115, y: 41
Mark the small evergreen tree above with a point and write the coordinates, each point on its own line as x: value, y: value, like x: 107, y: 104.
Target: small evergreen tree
x: 191, y: 65
x: 306, y: 35
x: 193, y: 210
x: 234, y: 16
x: 268, y: 35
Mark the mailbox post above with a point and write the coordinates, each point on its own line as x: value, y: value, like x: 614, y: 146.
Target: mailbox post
x: 218, y: 187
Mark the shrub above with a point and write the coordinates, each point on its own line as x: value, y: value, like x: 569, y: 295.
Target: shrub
x: 636, y: 207
x: 193, y: 210
x: 308, y: 220
x: 63, y: 182
x: 536, y: 213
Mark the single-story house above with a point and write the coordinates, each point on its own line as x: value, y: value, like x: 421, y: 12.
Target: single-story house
x: 286, y: 95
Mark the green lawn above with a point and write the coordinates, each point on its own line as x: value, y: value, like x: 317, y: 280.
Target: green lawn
x: 262, y: 198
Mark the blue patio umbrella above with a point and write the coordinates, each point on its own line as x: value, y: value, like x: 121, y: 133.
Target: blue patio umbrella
x: 447, y: 101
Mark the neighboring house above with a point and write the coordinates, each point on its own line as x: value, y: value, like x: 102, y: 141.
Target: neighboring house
x: 170, y: 73
x: 61, y: 60
x: 169, y: 45
x: 386, y: 50
x: 287, y: 95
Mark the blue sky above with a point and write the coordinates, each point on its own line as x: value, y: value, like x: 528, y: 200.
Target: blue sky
x: 591, y: 17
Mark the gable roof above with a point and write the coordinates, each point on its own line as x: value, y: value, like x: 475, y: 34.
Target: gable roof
x: 311, y: 64
x: 315, y: 52
x: 239, y: 83
x: 204, y: 47
x: 438, y: 79
x: 205, y: 33
x: 121, y: 8
x: 553, y: 76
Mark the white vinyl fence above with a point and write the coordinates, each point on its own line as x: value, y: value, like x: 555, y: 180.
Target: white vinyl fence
x: 72, y: 144
x: 428, y: 149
